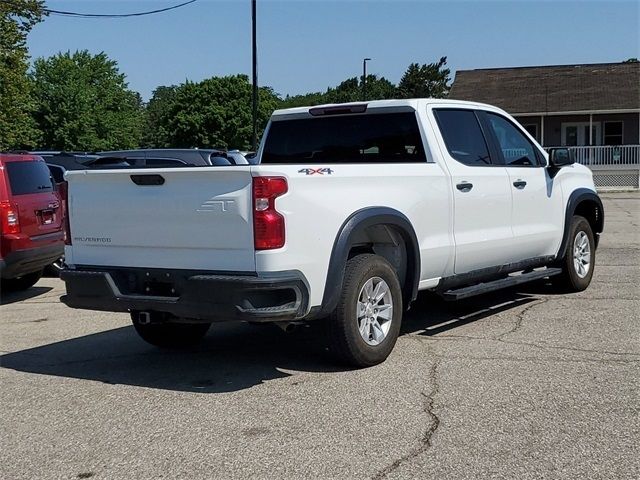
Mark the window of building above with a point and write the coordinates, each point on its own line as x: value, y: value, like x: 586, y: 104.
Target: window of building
x: 463, y: 136
x: 613, y: 133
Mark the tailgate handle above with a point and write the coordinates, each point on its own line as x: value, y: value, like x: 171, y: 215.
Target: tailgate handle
x: 148, y: 180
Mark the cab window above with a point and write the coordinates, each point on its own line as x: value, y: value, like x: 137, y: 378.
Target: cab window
x: 515, y: 147
x: 463, y: 136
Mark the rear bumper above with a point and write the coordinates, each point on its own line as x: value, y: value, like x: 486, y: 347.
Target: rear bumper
x: 21, y: 262
x: 197, y: 296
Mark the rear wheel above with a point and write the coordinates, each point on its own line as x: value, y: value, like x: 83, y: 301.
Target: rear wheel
x: 579, y: 261
x: 21, y: 283
x: 364, y: 326
x: 168, y: 334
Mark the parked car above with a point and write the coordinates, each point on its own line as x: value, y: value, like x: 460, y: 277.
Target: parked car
x: 31, y: 217
x: 351, y: 211
x: 59, y: 163
x: 175, y: 157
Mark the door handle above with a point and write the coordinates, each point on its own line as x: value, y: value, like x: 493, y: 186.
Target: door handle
x: 519, y: 184
x: 464, y: 186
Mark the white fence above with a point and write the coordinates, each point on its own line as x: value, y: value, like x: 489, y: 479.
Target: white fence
x: 614, y: 167
x: 608, y: 155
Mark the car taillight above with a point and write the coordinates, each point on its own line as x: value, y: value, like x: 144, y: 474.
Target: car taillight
x: 10, y: 219
x: 63, y: 191
x: 268, y: 224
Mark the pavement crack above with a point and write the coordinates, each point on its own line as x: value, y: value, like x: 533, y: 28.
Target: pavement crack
x: 520, y: 318
x: 434, y: 422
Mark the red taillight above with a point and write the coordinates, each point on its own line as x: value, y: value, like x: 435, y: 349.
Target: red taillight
x: 10, y: 219
x: 268, y: 224
x: 64, y: 193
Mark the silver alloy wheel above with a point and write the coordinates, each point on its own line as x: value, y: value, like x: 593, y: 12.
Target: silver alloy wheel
x: 581, y: 254
x: 374, y: 311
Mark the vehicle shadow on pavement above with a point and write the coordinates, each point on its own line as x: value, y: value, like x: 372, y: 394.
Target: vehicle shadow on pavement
x: 12, y: 297
x: 232, y: 357
x: 430, y: 314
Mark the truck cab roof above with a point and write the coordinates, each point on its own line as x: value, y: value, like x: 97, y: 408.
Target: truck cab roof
x: 369, y: 106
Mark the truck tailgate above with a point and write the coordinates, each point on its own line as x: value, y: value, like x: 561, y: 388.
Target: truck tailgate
x: 180, y: 218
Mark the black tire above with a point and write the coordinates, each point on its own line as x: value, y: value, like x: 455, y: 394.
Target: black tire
x: 570, y: 280
x: 21, y: 283
x: 345, y: 338
x: 168, y: 334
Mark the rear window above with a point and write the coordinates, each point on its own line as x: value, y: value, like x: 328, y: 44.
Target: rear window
x: 372, y: 138
x: 29, y: 177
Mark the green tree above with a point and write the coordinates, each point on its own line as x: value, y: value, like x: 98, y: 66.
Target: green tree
x: 157, y: 115
x: 216, y: 113
x: 83, y: 103
x: 351, y: 90
x: 631, y: 60
x: 304, y: 100
x: 425, y: 81
x: 17, y: 128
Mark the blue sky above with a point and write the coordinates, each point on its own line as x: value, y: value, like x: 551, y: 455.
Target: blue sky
x: 309, y: 45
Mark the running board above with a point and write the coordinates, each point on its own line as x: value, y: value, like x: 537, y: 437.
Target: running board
x: 511, y: 281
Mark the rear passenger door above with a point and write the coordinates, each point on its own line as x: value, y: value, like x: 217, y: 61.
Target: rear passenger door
x: 537, y: 214
x: 481, y: 192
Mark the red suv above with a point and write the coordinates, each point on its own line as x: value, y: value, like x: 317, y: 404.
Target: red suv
x: 31, y: 220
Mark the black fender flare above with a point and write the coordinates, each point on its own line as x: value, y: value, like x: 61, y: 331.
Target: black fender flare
x: 358, y: 221
x: 576, y: 198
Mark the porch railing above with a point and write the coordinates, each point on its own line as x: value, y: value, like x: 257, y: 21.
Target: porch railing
x: 614, y: 167
x: 607, y: 155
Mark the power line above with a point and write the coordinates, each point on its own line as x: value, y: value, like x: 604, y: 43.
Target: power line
x: 65, y: 13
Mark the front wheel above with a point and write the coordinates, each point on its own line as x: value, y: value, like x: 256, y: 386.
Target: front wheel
x: 579, y: 261
x: 169, y: 335
x: 365, y: 325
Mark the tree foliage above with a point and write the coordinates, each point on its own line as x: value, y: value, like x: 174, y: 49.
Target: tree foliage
x: 425, y: 81
x: 157, y: 116
x: 83, y: 103
x: 350, y: 90
x: 213, y: 113
x: 17, y: 127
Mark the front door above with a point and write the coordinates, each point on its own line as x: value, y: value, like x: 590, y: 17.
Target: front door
x: 537, y: 214
x: 577, y: 134
x: 481, y: 193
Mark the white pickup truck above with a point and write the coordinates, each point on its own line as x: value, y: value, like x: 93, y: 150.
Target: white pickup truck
x: 350, y: 210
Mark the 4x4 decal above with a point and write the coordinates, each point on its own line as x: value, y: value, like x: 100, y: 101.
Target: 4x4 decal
x: 313, y: 171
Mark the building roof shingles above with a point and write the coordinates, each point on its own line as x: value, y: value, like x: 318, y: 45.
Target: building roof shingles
x: 566, y: 88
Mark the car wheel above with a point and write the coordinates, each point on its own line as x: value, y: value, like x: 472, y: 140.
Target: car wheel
x: 579, y: 261
x: 167, y: 334
x: 365, y: 325
x: 21, y: 283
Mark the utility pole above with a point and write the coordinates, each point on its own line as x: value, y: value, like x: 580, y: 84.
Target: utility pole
x: 364, y: 78
x: 254, y: 60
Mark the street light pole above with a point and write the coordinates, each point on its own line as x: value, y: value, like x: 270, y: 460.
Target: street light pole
x: 364, y: 78
x: 254, y: 94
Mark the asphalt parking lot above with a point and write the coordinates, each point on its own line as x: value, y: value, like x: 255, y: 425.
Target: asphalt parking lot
x: 522, y: 384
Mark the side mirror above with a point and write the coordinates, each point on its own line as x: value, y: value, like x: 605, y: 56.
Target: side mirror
x: 561, y: 157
